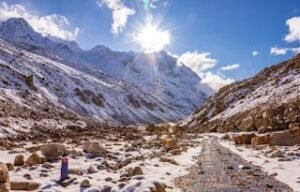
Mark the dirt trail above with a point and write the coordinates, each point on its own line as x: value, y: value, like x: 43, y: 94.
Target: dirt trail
x: 218, y: 169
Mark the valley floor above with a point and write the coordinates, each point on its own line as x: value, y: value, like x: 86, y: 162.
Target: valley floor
x: 205, y: 163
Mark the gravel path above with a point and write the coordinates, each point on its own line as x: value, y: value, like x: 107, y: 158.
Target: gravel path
x: 219, y: 169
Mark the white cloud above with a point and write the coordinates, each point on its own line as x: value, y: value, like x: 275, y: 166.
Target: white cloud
x: 120, y: 14
x: 284, y: 51
x: 278, y: 51
x: 198, y: 62
x: 255, y: 53
x: 294, y: 29
x: 230, y: 67
x: 53, y: 25
x: 215, y: 81
x: 157, y: 3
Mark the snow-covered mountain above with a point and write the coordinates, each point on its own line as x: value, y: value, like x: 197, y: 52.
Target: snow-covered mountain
x: 269, y: 101
x: 121, y: 87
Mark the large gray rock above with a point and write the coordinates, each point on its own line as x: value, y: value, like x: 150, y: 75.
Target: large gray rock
x: 94, y: 149
x: 53, y: 151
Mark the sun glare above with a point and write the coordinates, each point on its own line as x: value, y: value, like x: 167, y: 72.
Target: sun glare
x: 152, y: 39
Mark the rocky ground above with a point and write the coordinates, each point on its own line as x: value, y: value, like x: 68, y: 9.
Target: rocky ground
x: 155, y: 159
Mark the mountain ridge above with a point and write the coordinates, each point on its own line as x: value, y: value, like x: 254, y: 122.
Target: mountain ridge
x: 61, y: 75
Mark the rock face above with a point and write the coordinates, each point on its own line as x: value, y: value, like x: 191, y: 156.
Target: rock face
x: 4, y: 179
x: 267, y: 102
x: 53, y: 151
x: 94, y: 149
x: 286, y: 138
x: 261, y: 140
x: 247, y: 124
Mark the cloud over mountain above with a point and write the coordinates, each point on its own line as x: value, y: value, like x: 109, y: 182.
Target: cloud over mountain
x: 53, y: 25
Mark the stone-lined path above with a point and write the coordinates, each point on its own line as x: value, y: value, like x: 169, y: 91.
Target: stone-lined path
x: 219, y: 169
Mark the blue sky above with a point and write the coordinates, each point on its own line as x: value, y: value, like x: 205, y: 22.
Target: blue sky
x: 229, y: 30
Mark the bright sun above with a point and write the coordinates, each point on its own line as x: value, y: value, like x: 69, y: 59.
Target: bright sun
x: 152, y: 39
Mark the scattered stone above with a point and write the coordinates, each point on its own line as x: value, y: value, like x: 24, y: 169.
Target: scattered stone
x: 175, y: 152
x: 123, y: 163
x: 73, y: 171
x: 159, y: 187
x: 24, y: 185
x: 66, y: 182
x: 137, y: 171
x: 47, y: 165
x: 167, y: 160
x: 106, y: 189
x: 92, y: 169
x: 277, y: 153
x: 19, y: 160
x: 226, y: 137
x: 108, y: 179
x: 85, y: 183
x: 27, y: 176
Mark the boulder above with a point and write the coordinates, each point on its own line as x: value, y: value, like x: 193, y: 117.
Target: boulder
x: 53, y: 151
x: 286, y: 138
x: 85, y: 183
x: 10, y: 166
x: 247, y: 124
x: 74, y: 171
x: 94, y: 149
x: 24, y: 185
x: 243, y: 139
x: 4, y: 178
x: 78, y: 126
x: 170, y: 144
x: 175, y: 152
x: 34, y: 159
x: 277, y: 153
x: 19, y: 160
x: 261, y: 140
x: 158, y: 187
x: 92, y: 169
x: 226, y: 137
x: 168, y: 160
x: 137, y: 171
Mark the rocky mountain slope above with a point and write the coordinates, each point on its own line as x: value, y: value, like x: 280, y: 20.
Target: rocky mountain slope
x: 269, y: 101
x: 43, y: 73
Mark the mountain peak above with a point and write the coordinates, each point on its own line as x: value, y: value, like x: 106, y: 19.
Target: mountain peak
x: 18, y: 30
x: 16, y: 26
